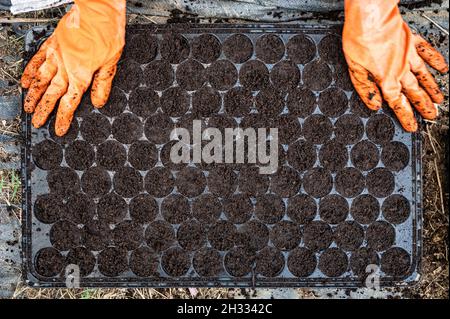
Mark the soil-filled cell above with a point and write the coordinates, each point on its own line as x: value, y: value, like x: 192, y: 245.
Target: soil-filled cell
x: 206, y: 102
x: 128, y: 235
x: 127, y: 182
x: 238, y: 262
x: 349, y: 182
x: 254, y: 75
x: 269, y: 102
x: 317, y: 235
x: 159, y: 235
x: 206, y: 48
x: 112, y: 261
x: 333, y: 155
x: 48, y: 262
x: 380, y: 235
x: 285, y: 182
x: 301, y: 262
x: 140, y: 46
x: 159, y: 182
x: 96, y: 235
x: 360, y: 259
x: 206, y: 208
x: 79, y: 155
x: 349, y: 235
x: 83, y: 258
x: 111, y: 208
x: 143, y: 102
x: 116, y: 104
x: 348, y: 129
x: 358, y: 107
x: 190, y: 181
x: 269, y: 262
x: 47, y: 155
x: 333, y: 262
x: 342, y: 77
x: 208, y: 262
x: 252, y: 236
x: 302, y: 209
x: 191, y: 235
x: 48, y: 208
x: 63, y: 181
x: 333, y: 102
x: 238, y: 48
x: 79, y: 209
x: 301, y: 102
x: 269, y: 48
x: 269, y: 208
x: 142, y: 155
x: 251, y: 182
x: 158, y: 75
x: 221, y: 235
x: 285, y: 76
x: 317, y: 75
x: 175, y: 209
x: 174, y: 48
x: 365, y: 209
x: 318, y: 182
x: 238, y: 208
x: 175, y: 262
x: 111, y: 155
x: 380, y: 182
x: 175, y: 101
x: 143, y: 208
x: 380, y: 129
x: 317, y: 129
x: 158, y: 128
x: 330, y: 49
x: 285, y: 235
x: 222, y: 181
x: 96, y: 181
x: 238, y: 101
x: 222, y: 75
x: 289, y: 128
x: 127, y: 128
x: 301, y: 49
x: 395, y: 262
x: 365, y: 155
x: 129, y: 75
x: 395, y: 156
x: 301, y: 155
x: 144, y: 262
x: 71, y: 134
x: 65, y: 235
x: 333, y: 209
x: 396, y: 209
x: 191, y: 75
x: 95, y: 128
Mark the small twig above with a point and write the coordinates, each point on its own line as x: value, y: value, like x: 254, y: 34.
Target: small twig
x: 441, y: 194
x: 435, y: 23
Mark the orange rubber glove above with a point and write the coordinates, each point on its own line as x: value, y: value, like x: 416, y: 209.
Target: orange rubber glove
x: 85, y: 46
x: 381, y: 51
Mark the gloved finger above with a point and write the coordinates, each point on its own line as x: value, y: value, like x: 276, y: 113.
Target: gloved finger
x: 418, y: 97
x: 39, y: 84
x: 101, y: 85
x: 365, y: 85
x: 432, y: 56
x: 34, y: 64
x: 57, y: 88
x: 67, y: 106
x: 403, y: 110
x: 427, y: 81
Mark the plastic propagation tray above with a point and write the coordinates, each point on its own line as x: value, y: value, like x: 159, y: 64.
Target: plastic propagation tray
x: 107, y: 198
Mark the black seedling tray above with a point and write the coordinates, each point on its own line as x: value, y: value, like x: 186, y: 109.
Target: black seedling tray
x: 303, y: 228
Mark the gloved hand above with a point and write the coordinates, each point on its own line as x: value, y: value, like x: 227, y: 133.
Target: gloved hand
x: 85, y: 47
x: 381, y: 51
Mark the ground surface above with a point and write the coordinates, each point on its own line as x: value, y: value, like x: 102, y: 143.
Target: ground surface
x: 434, y: 283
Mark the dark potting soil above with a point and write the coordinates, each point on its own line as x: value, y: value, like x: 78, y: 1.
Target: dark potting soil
x: 159, y: 75
x: 254, y: 75
x: 175, y: 101
x: 395, y: 156
x: 358, y: 107
x: 289, y: 128
x: 318, y: 182
x: 380, y: 235
x: 269, y: 48
x: 333, y: 262
x: 79, y: 155
x: 63, y: 181
x: 174, y: 48
x: 48, y: 262
x: 111, y: 208
x: 380, y: 129
x: 127, y: 182
x: 269, y: 208
x: 222, y: 75
x: 317, y: 235
x: 96, y: 182
x: 251, y: 182
x: 285, y: 182
x: 301, y: 49
x: 206, y: 48
x: 128, y: 235
x: 207, y: 262
x: 117, y: 102
x: 365, y: 209
x: 333, y: 102
x: 238, y: 101
x: 191, y: 235
x: 159, y: 235
x: 158, y: 127
x: 348, y: 129
x: 333, y: 209
x: 206, y: 102
x: 238, y: 262
x: 301, y: 262
x: 333, y: 155
x: 301, y: 155
x: 190, y: 181
x: 330, y: 49
x: 95, y: 128
x: 221, y: 235
x: 317, y: 129
x: 222, y: 181
x: 175, y: 209
x: 191, y: 75
x: 285, y: 235
x: 349, y: 182
x: 361, y: 258
x: 175, y: 262
x: 129, y: 75
x: 395, y: 262
x: 47, y: 155
x: 252, y: 236
x: 317, y: 75
x: 140, y: 47
x: 301, y: 102
x: 143, y: 208
x: 269, y: 262
x: 127, y: 128
x: 71, y: 135
x: 142, y: 155
x: 159, y: 181
x: 48, y: 208
x: 144, y: 262
x: 79, y: 209
x: 302, y: 209
x: 380, y: 182
x: 143, y: 102
x: 65, y: 235
x: 349, y: 235
x: 238, y: 208
x: 396, y: 209
x: 111, y: 155
x: 285, y: 76
x: 83, y: 258
x: 96, y: 235
x: 112, y: 261
x: 206, y: 208
x: 238, y: 48
x: 365, y: 155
